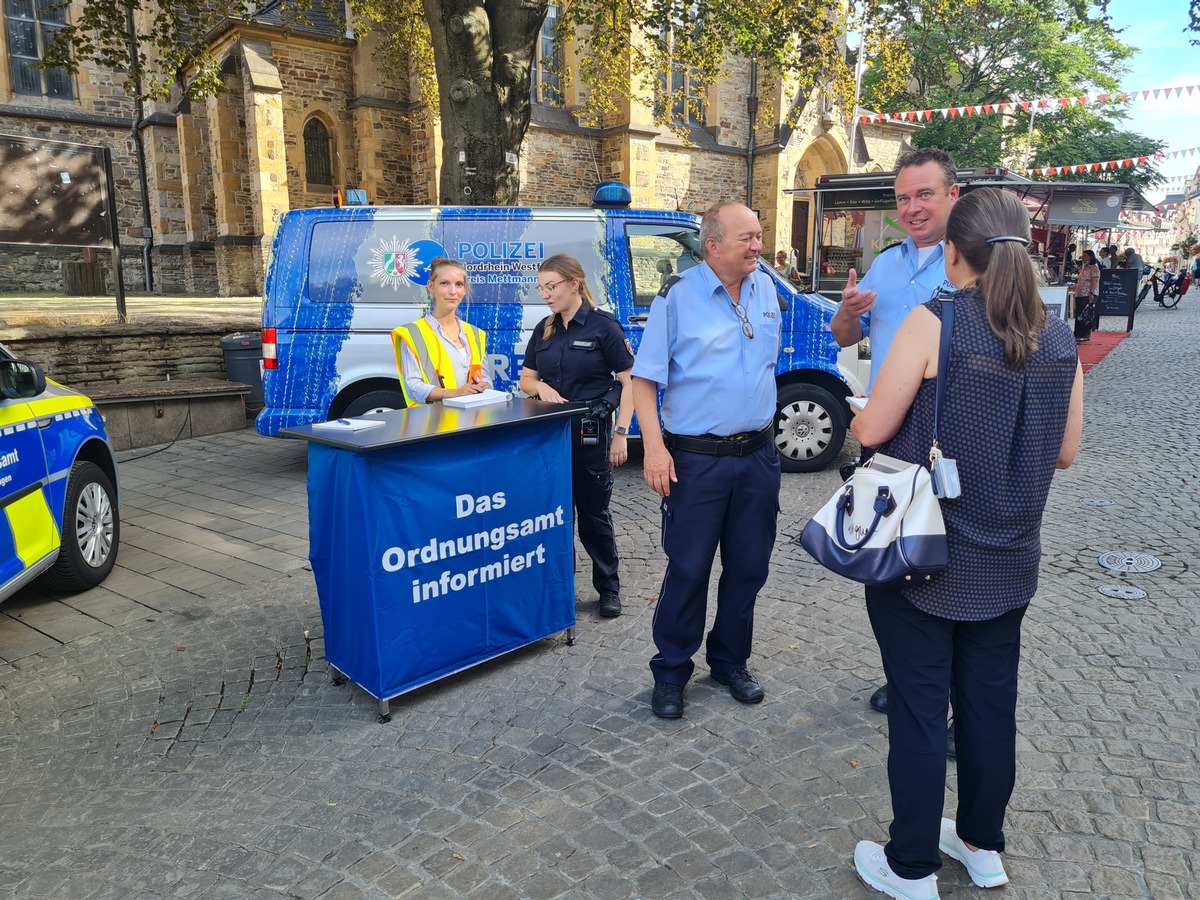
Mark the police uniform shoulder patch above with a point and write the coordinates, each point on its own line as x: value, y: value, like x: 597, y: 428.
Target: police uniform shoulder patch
x: 667, y: 285
x: 890, y: 246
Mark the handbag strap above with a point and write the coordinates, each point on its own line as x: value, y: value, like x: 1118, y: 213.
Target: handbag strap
x: 943, y: 360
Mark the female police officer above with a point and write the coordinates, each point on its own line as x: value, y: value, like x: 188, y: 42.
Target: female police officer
x: 573, y: 355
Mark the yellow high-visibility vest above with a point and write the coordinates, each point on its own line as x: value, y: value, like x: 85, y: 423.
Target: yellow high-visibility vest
x: 437, y: 366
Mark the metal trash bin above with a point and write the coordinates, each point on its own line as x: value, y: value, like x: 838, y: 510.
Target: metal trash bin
x: 243, y: 364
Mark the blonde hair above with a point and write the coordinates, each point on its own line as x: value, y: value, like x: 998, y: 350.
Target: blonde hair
x: 569, y: 268
x: 1007, y: 281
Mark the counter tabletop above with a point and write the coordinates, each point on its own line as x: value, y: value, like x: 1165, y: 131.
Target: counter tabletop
x: 433, y: 421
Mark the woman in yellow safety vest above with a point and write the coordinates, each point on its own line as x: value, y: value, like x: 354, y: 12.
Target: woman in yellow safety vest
x: 440, y: 355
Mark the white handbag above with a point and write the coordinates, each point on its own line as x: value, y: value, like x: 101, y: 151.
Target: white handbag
x: 883, y: 525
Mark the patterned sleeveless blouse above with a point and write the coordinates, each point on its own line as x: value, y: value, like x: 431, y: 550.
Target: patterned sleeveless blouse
x: 1004, y: 427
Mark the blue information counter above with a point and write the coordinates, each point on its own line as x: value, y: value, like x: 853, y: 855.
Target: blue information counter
x: 440, y: 539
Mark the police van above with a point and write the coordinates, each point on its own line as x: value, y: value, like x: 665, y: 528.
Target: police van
x: 58, y: 485
x: 342, y: 278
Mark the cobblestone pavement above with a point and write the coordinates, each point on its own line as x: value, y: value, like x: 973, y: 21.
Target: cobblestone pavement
x: 169, y: 735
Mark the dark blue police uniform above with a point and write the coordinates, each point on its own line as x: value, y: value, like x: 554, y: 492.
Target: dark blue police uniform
x: 718, y: 412
x: 579, y: 363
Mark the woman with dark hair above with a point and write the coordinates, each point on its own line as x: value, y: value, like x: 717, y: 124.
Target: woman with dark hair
x: 1012, y: 413
x: 439, y: 355
x: 1087, y: 286
x: 579, y: 353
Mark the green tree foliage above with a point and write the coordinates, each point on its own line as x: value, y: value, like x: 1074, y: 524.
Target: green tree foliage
x: 988, y: 51
x: 472, y: 59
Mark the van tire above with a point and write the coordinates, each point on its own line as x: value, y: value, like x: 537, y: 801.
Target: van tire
x: 375, y: 401
x: 810, y: 428
x: 91, y: 532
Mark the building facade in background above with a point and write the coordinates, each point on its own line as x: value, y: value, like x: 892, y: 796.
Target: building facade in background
x: 307, y: 111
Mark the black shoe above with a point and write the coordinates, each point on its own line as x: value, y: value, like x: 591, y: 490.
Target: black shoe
x: 742, y: 685
x: 879, y: 699
x: 951, y: 749
x: 667, y: 702
x: 610, y: 604
x: 846, y: 469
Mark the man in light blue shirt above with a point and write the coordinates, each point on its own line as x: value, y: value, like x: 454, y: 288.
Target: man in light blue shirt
x: 905, y: 275
x: 711, y: 343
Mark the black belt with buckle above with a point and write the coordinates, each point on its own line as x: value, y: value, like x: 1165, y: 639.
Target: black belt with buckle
x: 714, y: 445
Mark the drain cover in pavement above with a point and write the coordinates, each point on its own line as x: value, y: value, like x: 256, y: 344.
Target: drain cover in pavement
x: 1123, y: 592
x: 1126, y: 561
x: 1095, y: 501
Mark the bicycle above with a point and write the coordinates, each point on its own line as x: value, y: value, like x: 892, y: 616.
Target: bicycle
x: 1167, y: 290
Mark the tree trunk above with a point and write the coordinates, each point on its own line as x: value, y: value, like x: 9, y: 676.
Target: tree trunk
x: 483, y: 53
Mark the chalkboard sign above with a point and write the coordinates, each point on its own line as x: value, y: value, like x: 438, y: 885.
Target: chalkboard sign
x: 1118, y: 293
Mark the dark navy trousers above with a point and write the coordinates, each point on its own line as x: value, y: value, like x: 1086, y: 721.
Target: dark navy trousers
x: 922, y: 654
x: 719, y: 501
x: 591, y: 485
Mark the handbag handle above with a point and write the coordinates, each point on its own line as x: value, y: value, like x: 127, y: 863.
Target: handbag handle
x: 884, y: 506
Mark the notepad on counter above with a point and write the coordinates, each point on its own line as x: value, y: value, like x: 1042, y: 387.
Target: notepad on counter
x: 483, y: 398
x: 346, y: 425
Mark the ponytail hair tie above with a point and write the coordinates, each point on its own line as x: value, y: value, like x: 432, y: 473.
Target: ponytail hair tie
x: 1001, y: 238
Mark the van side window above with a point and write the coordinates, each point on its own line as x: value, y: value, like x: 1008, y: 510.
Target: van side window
x: 656, y: 253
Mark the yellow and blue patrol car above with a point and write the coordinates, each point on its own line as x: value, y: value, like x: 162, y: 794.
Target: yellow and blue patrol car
x: 58, y: 484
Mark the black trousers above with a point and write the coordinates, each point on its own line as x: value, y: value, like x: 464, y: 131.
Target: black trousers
x: 719, y: 501
x: 921, y: 655
x: 591, y: 484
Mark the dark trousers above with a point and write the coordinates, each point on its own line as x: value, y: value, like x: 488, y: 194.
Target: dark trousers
x: 591, y: 484
x: 921, y: 655
x: 730, y: 502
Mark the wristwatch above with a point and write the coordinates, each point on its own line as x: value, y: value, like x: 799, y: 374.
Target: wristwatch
x: 620, y: 429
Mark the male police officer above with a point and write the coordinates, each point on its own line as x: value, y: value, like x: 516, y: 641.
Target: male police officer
x: 905, y: 275
x: 711, y: 342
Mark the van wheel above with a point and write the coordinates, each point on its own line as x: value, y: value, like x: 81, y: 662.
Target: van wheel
x: 375, y: 401
x: 810, y: 428
x: 91, y: 532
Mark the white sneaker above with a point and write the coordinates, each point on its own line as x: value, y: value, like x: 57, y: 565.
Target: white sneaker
x: 873, y: 869
x: 984, y: 866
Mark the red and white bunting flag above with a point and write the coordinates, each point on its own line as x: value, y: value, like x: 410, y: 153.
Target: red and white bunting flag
x: 1103, y: 98
x: 928, y: 115
x: 1025, y: 104
x: 1082, y: 101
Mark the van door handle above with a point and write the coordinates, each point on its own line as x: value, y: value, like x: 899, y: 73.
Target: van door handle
x: 639, y: 319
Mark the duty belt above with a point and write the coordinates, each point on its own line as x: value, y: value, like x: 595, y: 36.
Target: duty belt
x: 715, y: 445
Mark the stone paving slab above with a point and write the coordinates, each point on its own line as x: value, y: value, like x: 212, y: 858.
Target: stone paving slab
x: 190, y: 741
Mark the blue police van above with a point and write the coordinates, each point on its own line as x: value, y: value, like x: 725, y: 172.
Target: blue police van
x: 341, y: 279
x: 58, y: 484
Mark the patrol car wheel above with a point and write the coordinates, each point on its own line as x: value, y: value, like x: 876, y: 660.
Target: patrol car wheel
x: 375, y: 401
x: 91, y: 532
x: 810, y: 428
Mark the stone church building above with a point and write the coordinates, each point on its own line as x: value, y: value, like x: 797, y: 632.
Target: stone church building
x: 306, y: 112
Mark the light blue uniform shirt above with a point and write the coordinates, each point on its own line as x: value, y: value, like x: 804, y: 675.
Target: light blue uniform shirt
x: 717, y: 381
x: 900, y: 286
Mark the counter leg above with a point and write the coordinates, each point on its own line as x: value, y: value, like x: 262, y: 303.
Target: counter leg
x: 385, y: 712
x: 571, y: 636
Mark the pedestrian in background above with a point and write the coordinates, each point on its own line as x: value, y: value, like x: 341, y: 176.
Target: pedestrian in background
x: 440, y: 355
x: 1008, y: 357
x: 1087, y: 286
x: 580, y: 353
x: 711, y: 343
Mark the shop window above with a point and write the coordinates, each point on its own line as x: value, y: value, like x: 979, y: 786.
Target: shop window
x: 29, y: 28
x: 318, y: 155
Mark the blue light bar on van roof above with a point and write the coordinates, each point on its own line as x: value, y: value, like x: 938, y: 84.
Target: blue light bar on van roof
x: 612, y: 194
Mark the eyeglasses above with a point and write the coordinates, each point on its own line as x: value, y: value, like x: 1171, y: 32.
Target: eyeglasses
x: 747, y: 328
x: 545, y: 289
